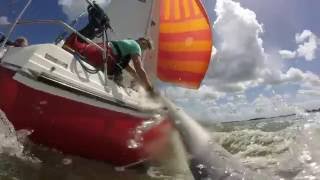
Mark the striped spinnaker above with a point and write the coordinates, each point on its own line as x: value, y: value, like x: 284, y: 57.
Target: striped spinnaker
x: 185, y: 42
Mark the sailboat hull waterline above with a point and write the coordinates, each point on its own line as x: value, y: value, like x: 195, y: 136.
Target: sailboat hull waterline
x: 72, y: 117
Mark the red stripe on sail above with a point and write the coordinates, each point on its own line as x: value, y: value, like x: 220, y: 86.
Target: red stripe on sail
x: 179, y: 75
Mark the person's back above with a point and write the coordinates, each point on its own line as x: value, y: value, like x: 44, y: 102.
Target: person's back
x: 127, y: 47
x: 124, y: 50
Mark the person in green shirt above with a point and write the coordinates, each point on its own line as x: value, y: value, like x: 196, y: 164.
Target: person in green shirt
x: 123, y: 51
x: 120, y: 53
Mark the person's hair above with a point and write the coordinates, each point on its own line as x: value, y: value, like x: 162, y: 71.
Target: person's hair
x: 147, y: 41
x: 23, y: 41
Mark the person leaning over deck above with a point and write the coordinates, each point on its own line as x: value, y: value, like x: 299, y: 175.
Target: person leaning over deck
x: 120, y: 53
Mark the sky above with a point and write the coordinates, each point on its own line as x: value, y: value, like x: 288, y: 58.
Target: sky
x: 266, y: 60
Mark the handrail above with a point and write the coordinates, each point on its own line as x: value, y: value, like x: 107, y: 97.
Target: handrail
x: 66, y: 26
x: 63, y: 34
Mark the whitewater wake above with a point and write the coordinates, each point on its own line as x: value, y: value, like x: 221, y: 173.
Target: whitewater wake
x: 283, y: 148
x: 8, y: 138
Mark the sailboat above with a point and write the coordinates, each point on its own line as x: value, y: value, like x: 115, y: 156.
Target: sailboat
x: 46, y: 89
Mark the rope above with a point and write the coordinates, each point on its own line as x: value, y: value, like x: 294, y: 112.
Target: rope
x: 82, y: 59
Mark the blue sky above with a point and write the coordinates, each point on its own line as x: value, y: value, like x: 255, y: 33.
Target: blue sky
x: 39, y: 9
x: 250, y: 70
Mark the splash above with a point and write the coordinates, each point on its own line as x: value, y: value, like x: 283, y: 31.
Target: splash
x: 8, y: 138
x: 137, y: 140
x: 257, y: 150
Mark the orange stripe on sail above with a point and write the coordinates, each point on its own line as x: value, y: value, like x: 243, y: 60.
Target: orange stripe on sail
x: 184, y: 26
x: 177, y: 13
x: 195, y: 7
x: 166, y: 9
x: 194, y: 66
x: 186, y: 8
x: 192, y: 46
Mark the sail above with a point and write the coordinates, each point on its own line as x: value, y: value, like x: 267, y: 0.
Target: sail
x: 184, y: 44
x: 128, y: 18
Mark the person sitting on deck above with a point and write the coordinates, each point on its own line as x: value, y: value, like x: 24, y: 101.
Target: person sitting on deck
x: 119, y: 53
x: 19, y: 42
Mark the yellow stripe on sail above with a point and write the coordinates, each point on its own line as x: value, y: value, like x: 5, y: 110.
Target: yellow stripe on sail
x: 186, y: 8
x: 185, y: 26
x: 196, y: 8
x: 185, y: 66
x: 177, y: 14
x: 167, y: 9
x: 194, y: 46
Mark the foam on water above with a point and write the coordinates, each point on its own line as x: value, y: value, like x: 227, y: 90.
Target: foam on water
x: 307, y: 146
x: 288, y: 152
x: 8, y: 137
x: 12, y: 151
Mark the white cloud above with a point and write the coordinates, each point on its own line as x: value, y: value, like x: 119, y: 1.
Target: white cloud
x: 239, y: 49
x: 4, y: 20
x: 243, y: 63
x: 204, y: 94
x: 285, y: 54
x: 300, y: 38
x: 307, y: 46
x: 73, y: 8
x: 309, y: 98
x: 239, y: 108
x: 310, y: 92
x: 293, y: 75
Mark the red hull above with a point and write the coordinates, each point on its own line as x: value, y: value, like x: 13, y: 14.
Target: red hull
x: 74, y: 127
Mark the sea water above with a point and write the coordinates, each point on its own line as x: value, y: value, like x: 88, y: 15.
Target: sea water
x: 282, y: 147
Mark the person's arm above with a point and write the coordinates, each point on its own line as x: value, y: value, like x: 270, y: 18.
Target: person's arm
x: 132, y: 72
x: 142, y: 75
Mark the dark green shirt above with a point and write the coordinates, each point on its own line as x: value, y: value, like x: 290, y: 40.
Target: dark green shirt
x: 127, y: 47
